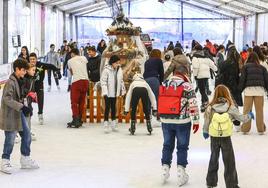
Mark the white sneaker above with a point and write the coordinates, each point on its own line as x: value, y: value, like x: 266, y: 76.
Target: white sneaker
x: 183, y: 177
x: 40, y: 118
x: 17, y: 139
x: 49, y: 89
x: 114, y: 126
x: 58, y: 87
x: 27, y: 163
x: 33, y: 136
x: 106, y: 127
x: 6, y: 166
x: 155, y: 123
x: 165, y: 173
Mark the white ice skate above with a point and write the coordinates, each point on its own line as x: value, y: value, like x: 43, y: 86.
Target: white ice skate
x: 17, y: 139
x: 183, y: 177
x: 165, y: 173
x: 27, y: 163
x: 114, y: 126
x: 106, y: 127
x: 40, y: 119
x: 33, y: 136
x: 155, y: 122
x: 6, y: 166
x: 58, y: 87
x: 49, y: 89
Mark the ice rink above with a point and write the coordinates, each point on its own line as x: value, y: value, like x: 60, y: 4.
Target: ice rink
x: 88, y: 158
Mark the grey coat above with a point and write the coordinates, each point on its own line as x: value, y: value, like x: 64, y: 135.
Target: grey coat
x: 10, y: 111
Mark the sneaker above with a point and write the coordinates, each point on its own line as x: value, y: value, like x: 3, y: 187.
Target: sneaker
x: 165, y: 173
x: 58, y: 87
x: 6, y: 166
x: 17, y: 139
x: 28, y: 163
x: 40, y: 119
x: 114, y: 126
x: 183, y: 177
x: 49, y: 89
x: 33, y: 136
x: 106, y: 127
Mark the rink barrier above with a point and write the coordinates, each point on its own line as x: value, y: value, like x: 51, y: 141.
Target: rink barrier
x: 94, y: 108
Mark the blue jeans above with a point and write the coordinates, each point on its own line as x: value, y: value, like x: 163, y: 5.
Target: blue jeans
x: 154, y: 85
x: 182, y: 134
x: 25, y: 140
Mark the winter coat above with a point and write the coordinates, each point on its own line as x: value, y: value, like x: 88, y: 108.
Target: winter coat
x: 11, y: 104
x: 138, y: 81
x: 178, y: 60
x: 253, y: 75
x: 202, y: 65
x: 112, y: 83
x: 222, y: 108
x: 53, y: 58
x: 189, y: 104
x: 93, y: 68
x: 154, y: 68
x: 219, y: 58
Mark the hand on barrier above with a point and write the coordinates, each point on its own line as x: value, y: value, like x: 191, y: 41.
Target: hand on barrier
x: 195, y: 128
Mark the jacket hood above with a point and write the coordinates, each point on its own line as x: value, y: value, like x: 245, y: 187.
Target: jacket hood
x: 221, y: 107
x: 180, y: 58
x: 199, y: 54
x: 138, y: 77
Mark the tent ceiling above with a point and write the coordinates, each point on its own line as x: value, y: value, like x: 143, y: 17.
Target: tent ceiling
x: 226, y: 8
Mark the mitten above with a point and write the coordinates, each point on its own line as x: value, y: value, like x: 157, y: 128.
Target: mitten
x: 251, y: 115
x: 195, y: 128
x: 205, y: 135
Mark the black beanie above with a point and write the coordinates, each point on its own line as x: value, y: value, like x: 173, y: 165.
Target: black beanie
x: 113, y: 59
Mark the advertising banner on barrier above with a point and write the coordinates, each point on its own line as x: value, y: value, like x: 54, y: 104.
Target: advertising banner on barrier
x: 5, y: 71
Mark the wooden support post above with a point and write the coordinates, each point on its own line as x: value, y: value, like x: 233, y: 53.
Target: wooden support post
x: 98, y: 106
x: 91, y: 103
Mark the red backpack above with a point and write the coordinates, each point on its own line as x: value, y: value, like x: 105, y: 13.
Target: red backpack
x: 169, y: 100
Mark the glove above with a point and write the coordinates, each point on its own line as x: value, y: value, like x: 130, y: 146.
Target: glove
x: 251, y: 115
x: 26, y: 110
x: 195, y: 128
x: 155, y: 113
x: 125, y: 113
x: 205, y: 135
x: 33, y: 96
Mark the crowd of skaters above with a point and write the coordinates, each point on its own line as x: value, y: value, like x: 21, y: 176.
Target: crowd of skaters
x: 233, y: 72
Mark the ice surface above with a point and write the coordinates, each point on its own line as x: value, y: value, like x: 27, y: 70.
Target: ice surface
x: 88, y: 158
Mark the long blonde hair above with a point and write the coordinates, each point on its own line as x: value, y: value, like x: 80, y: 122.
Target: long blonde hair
x: 221, y: 91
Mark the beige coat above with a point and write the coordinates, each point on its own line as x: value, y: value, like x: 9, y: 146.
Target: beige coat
x: 10, y: 111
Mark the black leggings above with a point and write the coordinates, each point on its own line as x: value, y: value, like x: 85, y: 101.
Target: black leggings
x: 49, y: 77
x: 137, y: 94
x: 202, y: 88
x: 40, y: 100
x: 110, y: 103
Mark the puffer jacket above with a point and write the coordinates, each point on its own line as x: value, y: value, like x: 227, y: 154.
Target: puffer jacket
x: 138, y: 81
x: 178, y: 60
x: 202, y: 65
x: 253, y: 75
x: 112, y: 83
x: 223, y: 107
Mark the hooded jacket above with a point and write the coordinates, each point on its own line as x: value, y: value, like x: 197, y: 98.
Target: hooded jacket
x: 223, y: 107
x: 93, y: 68
x: 138, y: 81
x: 112, y: 83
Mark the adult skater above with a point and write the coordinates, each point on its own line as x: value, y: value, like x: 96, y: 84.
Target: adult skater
x: 39, y: 82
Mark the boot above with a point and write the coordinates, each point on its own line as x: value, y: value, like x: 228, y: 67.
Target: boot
x: 40, y: 119
x: 204, y: 107
x: 49, y: 89
x: 6, y: 166
x: 132, y: 128
x: 81, y: 121
x: 183, y: 177
x: 69, y: 88
x: 75, y: 123
x: 27, y: 163
x: 149, y: 126
x: 114, y: 126
x: 106, y: 127
x: 165, y: 173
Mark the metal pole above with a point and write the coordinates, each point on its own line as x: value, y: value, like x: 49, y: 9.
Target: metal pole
x: 182, y: 24
x: 128, y: 8
x: 256, y: 28
x: 71, y: 26
x: 43, y: 29
x: 5, y: 31
x: 64, y: 25
x: 76, y: 28
x: 234, y: 23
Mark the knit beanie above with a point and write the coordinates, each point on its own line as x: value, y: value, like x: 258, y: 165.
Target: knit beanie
x: 113, y: 59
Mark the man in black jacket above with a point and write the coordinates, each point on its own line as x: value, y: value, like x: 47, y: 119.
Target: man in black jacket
x: 93, y: 66
x: 39, y: 81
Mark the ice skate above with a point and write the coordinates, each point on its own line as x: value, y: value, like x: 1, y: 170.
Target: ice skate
x: 27, y: 163
x: 155, y: 122
x: 114, y: 126
x: 6, y: 166
x: 49, y: 89
x: 17, y: 139
x: 203, y: 107
x: 58, y: 87
x: 149, y: 127
x: 40, y: 119
x: 33, y: 136
x: 106, y: 127
x: 75, y: 123
x: 69, y: 88
x: 132, y: 128
x: 165, y: 173
x: 183, y: 177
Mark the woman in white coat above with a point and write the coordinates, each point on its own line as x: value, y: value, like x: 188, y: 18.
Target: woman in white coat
x: 112, y: 86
